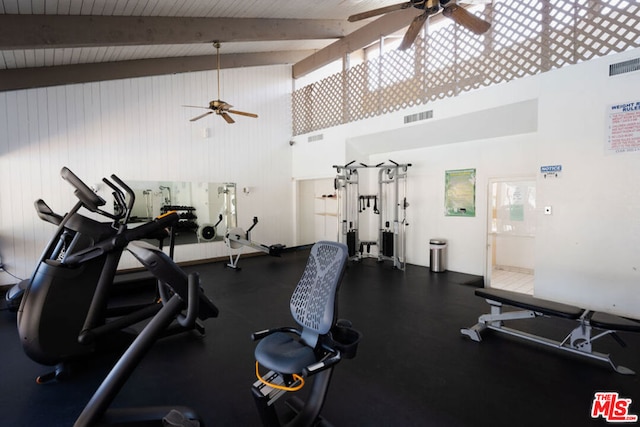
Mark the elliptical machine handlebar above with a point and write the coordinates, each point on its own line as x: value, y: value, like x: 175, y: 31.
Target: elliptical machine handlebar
x: 130, y: 193
x: 93, y: 201
x: 123, y: 208
x: 46, y: 214
x: 123, y: 238
x: 89, y: 199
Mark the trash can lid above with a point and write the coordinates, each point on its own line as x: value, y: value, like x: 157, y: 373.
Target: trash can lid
x: 438, y: 241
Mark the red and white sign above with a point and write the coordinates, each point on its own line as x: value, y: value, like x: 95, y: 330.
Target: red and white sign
x: 613, y: 408
x: 623, y: 128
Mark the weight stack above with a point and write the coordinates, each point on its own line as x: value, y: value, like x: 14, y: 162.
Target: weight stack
x: 387, y: 243
x: 351, y: 242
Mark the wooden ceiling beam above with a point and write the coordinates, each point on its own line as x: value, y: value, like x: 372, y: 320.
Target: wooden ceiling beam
x: 362, y: 37
x: 60, y: 31
x: 25, y: 78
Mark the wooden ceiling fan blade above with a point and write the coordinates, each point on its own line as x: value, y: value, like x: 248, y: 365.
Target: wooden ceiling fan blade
x: 462, y: 16
x: 194, y: 106
x: 201, y: 116
x: 379, y: 11
x: 242, y: 113
x: 227, y: 117
x: 413, y: 31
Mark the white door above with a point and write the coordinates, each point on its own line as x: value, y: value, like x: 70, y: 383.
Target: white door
x: 511, y: 234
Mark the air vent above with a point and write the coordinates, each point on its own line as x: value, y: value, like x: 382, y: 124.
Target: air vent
x: 624, y: 67
x: 418, y: 116
x: 314, y: 138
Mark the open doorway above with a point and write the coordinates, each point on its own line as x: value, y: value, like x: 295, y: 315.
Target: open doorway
x: 317, y: 211
x: 511, y: 234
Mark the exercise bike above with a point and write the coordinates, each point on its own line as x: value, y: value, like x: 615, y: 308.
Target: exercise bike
x: 64, y: 313
x: 310, y: 351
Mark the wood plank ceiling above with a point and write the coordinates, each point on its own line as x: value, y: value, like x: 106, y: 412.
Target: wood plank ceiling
x: 50, y: 42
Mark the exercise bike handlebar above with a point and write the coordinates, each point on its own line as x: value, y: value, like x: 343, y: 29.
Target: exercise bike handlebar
x: 258, y: 335
x: 326, y: 363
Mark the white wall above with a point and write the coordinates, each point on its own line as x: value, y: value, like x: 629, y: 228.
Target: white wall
x: 506, y: 149
x: 587, y: 251
x: 466, y: 237
x: 137, y: 129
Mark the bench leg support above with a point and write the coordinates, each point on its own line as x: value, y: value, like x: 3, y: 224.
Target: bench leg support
x: 579, y: 341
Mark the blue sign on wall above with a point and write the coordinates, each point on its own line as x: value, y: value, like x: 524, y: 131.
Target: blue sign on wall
x: 551, y: 169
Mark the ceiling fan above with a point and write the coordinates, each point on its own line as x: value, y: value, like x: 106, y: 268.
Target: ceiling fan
x: 449, y: 8
x: 218, y: 106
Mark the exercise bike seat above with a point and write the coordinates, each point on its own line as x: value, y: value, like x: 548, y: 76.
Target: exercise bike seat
x: 282, y: 353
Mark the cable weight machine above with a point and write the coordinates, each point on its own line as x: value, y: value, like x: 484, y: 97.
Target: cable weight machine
x: 389, y: 204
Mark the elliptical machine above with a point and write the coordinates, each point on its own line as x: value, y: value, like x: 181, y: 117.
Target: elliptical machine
x: 63, y: 315
x: 15, y: 293
x: 184, y: 304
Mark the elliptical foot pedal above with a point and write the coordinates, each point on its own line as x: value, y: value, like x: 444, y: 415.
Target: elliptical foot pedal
x: 178, y: 419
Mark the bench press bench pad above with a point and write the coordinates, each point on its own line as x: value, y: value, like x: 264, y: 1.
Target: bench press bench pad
x: 617, y: 323
x: 529, y: 302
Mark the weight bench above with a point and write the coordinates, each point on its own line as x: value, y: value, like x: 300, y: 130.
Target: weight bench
x: 578, y: 341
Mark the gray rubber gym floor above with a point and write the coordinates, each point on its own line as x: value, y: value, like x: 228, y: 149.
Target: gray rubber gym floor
x: 413, y: 368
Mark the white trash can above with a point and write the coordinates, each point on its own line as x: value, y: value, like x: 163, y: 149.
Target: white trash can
x: 438, y: 255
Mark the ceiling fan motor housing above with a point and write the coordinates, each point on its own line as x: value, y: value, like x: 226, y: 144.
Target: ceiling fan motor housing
x: 429, y: 6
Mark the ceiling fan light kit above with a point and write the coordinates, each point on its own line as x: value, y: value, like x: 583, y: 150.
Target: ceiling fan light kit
x: 218, y: 106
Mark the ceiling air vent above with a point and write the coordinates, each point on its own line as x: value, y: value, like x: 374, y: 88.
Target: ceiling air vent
x: 624, y: 67
x: 418, y: 116
x: 314, y: 138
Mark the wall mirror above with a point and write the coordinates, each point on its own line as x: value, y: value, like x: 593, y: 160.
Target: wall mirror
x: 206, y: 209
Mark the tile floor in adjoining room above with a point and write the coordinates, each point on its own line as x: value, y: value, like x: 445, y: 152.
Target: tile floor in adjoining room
x: 512, y: 280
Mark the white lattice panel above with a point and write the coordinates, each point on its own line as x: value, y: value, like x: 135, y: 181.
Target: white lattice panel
x: 527, y: 37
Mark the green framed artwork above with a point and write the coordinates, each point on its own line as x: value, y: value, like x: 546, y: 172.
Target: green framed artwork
x: 460, y: 192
